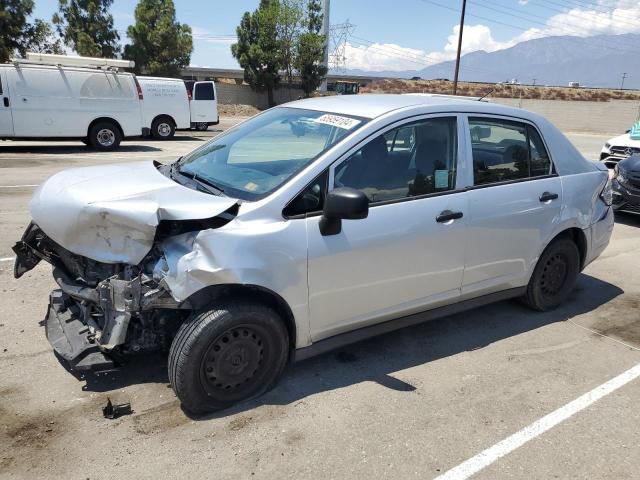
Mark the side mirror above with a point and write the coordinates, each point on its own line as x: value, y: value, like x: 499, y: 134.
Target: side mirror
x: 342, y: 203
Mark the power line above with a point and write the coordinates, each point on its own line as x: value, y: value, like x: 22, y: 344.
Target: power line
x: 583, y: 13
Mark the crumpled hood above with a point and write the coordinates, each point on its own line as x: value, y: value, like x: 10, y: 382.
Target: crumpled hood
x: 630, y: 164
x: 110, y: 213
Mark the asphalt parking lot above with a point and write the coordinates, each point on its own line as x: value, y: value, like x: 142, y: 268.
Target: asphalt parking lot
x: 416, y: 403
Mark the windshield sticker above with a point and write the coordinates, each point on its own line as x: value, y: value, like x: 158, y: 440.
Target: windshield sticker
x: 337, y: 121
x: 441, y: 178
x: 251, y: 187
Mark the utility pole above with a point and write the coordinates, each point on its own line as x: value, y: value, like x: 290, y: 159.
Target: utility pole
x: 455, y: 78
x: 624, y: 75
x: 534, y: 81
x: 325, y: 32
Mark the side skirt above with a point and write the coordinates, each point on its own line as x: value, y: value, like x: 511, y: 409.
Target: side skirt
x: 360, y: 334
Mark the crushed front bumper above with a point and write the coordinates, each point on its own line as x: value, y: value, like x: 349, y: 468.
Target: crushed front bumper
x: 70, y: 337
x: 625, y: 198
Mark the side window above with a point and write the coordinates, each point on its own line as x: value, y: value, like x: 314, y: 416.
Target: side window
x: 311, y: 199
x: 540, y: 161
x: 204, y: 91
x: 500, y: 151
x: 414, y: 159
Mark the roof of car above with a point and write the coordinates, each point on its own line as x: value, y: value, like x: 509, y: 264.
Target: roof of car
x: 374, y: 105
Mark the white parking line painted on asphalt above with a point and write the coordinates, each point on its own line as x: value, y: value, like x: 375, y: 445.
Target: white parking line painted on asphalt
x: 17, y: 186
x: 7, y: 259
x: 487, y: 457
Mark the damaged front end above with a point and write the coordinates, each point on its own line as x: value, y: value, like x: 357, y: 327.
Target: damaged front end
x: 103, y: 312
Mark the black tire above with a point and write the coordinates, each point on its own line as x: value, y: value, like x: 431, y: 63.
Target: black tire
x: 163, y: 128
x: 231, y: 353
x: 555, y: 275
x: 105, y: 136
x: 202, y: 126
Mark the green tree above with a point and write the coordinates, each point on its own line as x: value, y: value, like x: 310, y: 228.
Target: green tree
x: 310, y: 51
x: 159, y: 44
x: 290, y: 23
x: 258, y: 48
x: 87, y: 27
x: 13, y: 24
x: 41, y: 38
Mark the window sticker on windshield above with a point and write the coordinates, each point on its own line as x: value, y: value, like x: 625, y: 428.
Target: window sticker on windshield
x: 251, y: 187
x: 337, y: 121
x: 441, y: 178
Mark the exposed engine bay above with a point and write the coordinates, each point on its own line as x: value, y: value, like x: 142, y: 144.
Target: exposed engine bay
x: 103, y: 312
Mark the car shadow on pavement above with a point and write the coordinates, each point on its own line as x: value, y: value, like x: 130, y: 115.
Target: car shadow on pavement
x: 628, y: 219
x: 63, y: 149
x: 378, y: 358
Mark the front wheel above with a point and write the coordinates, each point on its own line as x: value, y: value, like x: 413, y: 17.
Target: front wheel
x: 231, y: 353
x: 554, y: 277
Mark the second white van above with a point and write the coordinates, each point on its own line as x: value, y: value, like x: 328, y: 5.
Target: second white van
x: 169, y: 105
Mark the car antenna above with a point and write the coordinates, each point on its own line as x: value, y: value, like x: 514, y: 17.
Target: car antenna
x: 486, y: 94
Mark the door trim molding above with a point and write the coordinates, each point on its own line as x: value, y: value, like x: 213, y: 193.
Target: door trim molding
x: 353, y: 336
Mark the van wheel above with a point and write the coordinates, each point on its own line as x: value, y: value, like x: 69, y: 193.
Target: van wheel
x: 222, y: 356
x: 105, y: 136
x: 202, y: 126
x: 554, y: 276
x: 162, y: 128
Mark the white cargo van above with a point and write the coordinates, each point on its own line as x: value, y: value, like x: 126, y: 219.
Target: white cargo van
x: 47, y: 96
x: 168, y: 106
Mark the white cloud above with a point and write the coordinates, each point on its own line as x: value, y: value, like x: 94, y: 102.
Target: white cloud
x: 607, y: 17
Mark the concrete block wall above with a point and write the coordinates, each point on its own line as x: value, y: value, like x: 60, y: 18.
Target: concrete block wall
x: 613, y: 117
x: 231, y: 93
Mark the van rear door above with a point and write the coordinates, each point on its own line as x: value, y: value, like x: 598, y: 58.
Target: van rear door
x: 204, y: 105
x: 6, y: 120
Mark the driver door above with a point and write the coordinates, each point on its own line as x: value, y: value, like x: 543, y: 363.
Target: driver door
x: 404, y: 258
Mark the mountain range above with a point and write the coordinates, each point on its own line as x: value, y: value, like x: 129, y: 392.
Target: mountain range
x: 597, y: 61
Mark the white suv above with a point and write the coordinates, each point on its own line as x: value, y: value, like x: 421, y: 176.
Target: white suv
x: 619, y: 148
x: 310, y: 226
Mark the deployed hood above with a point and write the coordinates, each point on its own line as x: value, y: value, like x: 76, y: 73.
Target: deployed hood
x: 110, y: 213
x: 624, y: 141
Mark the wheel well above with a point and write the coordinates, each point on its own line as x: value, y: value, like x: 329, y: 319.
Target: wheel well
x: 105, y: 119
x: 263, y: 295
x: 164, y: 115
x: 579, y: 238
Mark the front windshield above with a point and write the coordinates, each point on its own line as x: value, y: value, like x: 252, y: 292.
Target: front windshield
x: 254, y: 159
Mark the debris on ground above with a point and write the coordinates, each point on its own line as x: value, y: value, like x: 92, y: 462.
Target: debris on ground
x: 112, y: 411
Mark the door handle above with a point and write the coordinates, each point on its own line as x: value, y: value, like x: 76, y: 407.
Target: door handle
x: 548, y: 196
x: 6, y: 101
x: 447, y: 215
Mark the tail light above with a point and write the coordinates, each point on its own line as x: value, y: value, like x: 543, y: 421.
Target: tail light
x: 139, y: 89
x: 607, y: 194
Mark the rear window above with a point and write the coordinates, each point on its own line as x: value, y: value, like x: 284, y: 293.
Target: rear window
x: 204, y: 91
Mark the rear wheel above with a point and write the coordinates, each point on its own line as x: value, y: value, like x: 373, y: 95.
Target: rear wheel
x: 554, y: 276
x: 105, y: 136
x: 162, y: 128
x: 222, y: 356
x: 202, y: 126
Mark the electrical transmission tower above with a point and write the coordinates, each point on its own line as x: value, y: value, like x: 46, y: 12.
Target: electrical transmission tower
x: 339, y: 35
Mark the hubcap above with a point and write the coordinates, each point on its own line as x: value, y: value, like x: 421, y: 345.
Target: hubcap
x: 164, y: 129
x: 233, y: 359
x: 106, y: 137
x: 554, y: 274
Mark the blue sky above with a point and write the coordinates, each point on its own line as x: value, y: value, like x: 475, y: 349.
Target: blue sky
x: 403, y: 34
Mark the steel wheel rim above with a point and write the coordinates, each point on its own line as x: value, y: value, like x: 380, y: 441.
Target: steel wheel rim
x: 233, y: 360
x: 554, y: 274
x: 164, y: 129
x: 106, y: 137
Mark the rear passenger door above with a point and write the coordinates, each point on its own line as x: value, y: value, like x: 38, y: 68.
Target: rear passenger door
x: 515, y: 201
x: 408, y: 254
